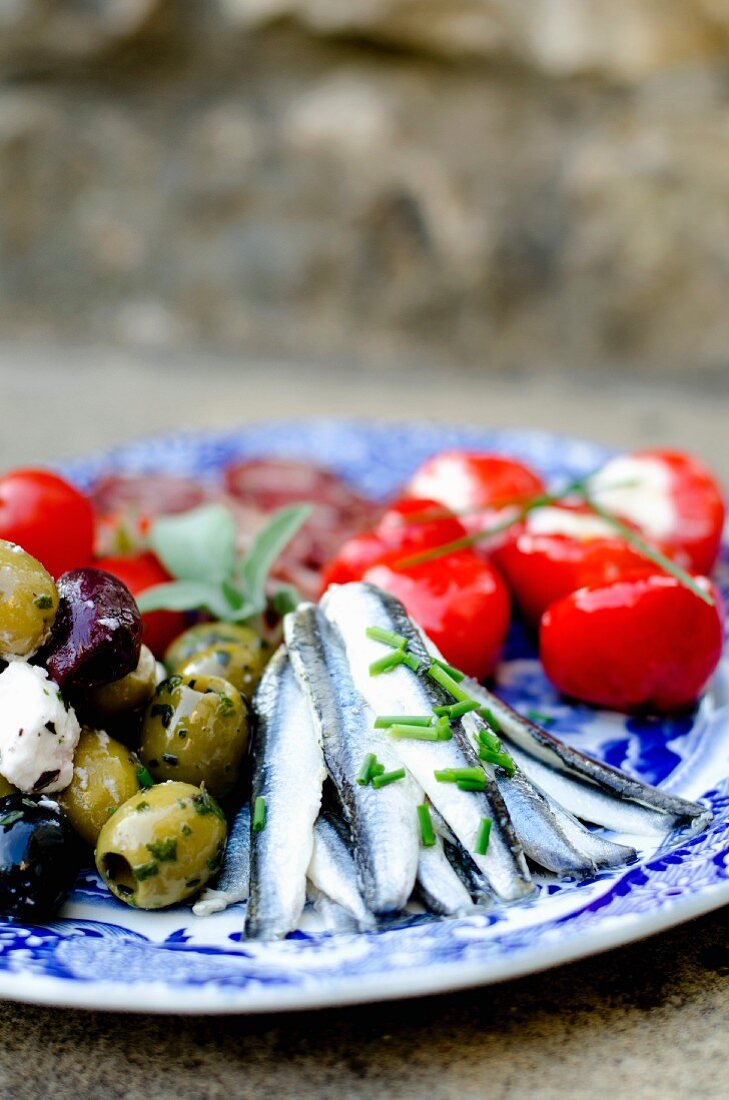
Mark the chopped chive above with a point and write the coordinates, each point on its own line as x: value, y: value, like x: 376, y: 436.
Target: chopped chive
x: 485, y: 713
x: 501, y: 758
x: 389, y: 637
x: 410, y: 660
x: 364, y: 775
x: 488, y: 740
x: 386, y: 663
x: 454, y: 673
x: 145, y: 779
x: 442, y: 712
x: 539, y: 717
x: 377, y: 769
x: 414, y: 733
x: 446, y: 681
x: 259, y: 814
x: 388, y: 777
x: 427, y: 832
x: 482, y: 840
x: 387, y: 720
x: 457, y: 710
x: 445, y: 775
x: 443, y: 729
x: 472, y: 784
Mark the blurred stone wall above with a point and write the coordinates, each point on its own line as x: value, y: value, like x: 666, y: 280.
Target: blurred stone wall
x: 503, y: 183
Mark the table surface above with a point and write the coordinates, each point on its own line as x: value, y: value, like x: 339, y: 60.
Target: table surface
x: 644, y: 1021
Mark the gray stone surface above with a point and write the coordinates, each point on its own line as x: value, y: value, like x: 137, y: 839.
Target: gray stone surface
x: 647, y: 1021
x: 452, y: 181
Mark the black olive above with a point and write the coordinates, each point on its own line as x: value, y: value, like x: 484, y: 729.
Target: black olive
x: 97, y: 633
x: 38, y: 858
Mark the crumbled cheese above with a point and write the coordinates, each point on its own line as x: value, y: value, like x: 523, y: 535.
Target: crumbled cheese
x: 638, y: 489
x: 38, y: 734
x: 564, y: 521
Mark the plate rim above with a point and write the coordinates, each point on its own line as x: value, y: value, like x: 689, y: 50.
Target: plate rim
x: 433, y: 978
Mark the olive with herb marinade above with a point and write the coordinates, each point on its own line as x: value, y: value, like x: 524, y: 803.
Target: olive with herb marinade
x: 162, y: 845
x: 28, y: 602
x: 240, y: 647
x: 196, y: 730
x: 105, y: 775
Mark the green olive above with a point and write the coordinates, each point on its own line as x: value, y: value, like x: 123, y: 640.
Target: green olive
x: 6, y: 788
x: 238, y: 664
x: 28, y: 602
x: 105, y: 775
x: 204, y: 635
x: 196, y: 730
x: 131, y: 691
x: 162, y: 845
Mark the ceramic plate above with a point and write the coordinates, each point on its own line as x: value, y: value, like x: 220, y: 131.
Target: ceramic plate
x: 101, y: 954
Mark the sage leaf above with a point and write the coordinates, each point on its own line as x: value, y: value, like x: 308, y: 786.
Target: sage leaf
x: 254, y: 568
x: 186, y: 596
x: 198, y: 545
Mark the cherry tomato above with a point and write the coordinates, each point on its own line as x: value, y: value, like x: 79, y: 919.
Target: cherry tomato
x: 640, y: 644
x: 558, y: 550
x: 461, y: 603
x: 406, y: 528
x: 139, y: 572
x: 485, y: 483
x: 672, y: 497
x: 48, y: 517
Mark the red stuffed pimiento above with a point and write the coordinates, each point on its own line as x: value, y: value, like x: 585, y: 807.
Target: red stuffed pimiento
x: 406, y: 528
x: 639, y: 644
x: 461, y: 603
x: 557, y: 550
x: 671, y: 497
x: 478, y: 486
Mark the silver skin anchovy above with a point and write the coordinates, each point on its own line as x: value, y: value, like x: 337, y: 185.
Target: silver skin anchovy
x: 549, y: 835
x: 288, y: 773
x: 233, y: 881
x: 333, y: 873
x: 585, y: 786
x: 351, y: 609
x: 440, y: 886
x: 384, y: 823
x: 334, y: 916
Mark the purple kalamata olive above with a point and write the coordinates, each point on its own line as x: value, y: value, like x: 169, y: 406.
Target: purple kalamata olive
x: 97, y: 632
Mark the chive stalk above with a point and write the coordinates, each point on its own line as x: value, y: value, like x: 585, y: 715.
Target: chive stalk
x: 427, y: 832
x: 388, y: 637
x: 386, y: 778
x: 384, y: 721
x: 365, y: 772
x: 482, y: 840
x: 454, y: 673
x: 446, y: 681
x: 259, y: 814
x: 414, y: 733
x: 472, y: 784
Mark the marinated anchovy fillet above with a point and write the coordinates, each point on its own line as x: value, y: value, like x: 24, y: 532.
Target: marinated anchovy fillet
x: 332, y: 871
x: 551, y: 836
x: 442, y: 889
x: 383, y: 822
x: 233, y: 881
x: 353, y: 608
x: 288, y: 773
x: 334, y: 916
x: 588, y: 788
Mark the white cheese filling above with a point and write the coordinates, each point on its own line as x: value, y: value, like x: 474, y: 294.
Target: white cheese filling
x: 38, y: 734
x: 638, y: 489
x: 561, y: 521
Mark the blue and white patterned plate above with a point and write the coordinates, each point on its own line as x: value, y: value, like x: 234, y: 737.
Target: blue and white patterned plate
x: 101, y: 954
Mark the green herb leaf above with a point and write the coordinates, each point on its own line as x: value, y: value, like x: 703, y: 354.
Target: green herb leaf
x: 286, y: 598
x: 198, y: 545
x: 185, y: 596
x: 253, y: 570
